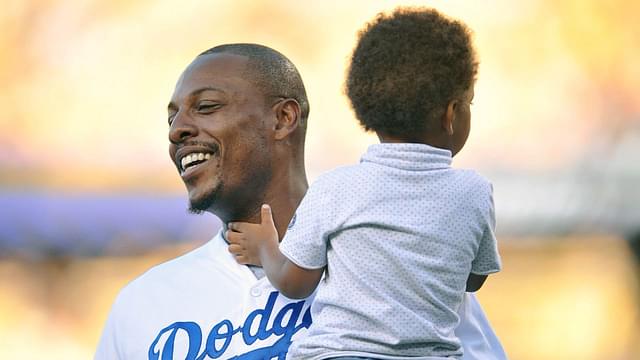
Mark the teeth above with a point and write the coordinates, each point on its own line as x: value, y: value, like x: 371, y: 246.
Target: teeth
x: 188, y: 159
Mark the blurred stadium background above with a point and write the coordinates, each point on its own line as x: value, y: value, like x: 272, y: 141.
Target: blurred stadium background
x: 89, y: 198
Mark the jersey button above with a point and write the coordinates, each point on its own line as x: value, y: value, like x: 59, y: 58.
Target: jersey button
x: 255, y: 292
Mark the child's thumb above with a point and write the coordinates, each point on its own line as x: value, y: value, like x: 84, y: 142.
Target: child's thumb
x: 266, y: 216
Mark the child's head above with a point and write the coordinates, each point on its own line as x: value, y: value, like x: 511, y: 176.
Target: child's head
x: 411, y: 78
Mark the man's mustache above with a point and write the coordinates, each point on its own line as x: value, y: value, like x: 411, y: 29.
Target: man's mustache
x: 213, y: 146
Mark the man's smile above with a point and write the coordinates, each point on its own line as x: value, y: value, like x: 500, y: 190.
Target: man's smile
x: 194, y: 159
x: 189, y: 158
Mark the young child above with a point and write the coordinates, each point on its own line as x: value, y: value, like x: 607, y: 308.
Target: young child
x: 400, y: 236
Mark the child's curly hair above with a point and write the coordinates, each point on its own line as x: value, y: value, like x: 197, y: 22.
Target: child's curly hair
x: 406, y: 67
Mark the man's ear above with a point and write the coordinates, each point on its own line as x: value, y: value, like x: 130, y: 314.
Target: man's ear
x: 287, y: 118
x: 449, y: 117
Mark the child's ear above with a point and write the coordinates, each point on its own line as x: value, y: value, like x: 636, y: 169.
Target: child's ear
x: 287, y: 118
x: 449, y: 117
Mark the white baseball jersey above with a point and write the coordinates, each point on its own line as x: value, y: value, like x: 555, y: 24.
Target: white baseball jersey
x: 203, y: 305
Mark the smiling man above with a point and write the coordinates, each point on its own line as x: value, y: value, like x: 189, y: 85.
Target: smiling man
x: 237, y: 123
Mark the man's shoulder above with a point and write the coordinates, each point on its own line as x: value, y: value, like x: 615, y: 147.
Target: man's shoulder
x: 159, y: 276
x: 191, y: 293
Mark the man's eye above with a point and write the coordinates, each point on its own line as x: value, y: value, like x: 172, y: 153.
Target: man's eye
x: 208, y: 107
x: 170, y: 119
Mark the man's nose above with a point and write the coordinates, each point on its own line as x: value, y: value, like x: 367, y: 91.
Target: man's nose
x: 182, y: 128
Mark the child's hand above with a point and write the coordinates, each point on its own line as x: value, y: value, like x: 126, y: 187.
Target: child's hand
x: 247, y: 240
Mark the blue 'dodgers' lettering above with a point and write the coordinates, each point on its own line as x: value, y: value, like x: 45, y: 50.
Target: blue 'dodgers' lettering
x: 193, y: 332
x: 221, y: 335
x: 218, y: 333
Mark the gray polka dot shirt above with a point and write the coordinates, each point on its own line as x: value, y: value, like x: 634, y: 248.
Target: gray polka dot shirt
x: 399, y: 233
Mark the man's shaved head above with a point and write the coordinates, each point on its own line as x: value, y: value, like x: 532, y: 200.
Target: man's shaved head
x: 272, y: 72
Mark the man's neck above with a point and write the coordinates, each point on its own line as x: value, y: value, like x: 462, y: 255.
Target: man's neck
x: 284, y: 200
x: 284, y: 194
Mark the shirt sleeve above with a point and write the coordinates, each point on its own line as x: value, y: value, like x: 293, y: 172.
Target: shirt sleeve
x: 479, y: 342
x: 305, y: 243
x: 487, y: 260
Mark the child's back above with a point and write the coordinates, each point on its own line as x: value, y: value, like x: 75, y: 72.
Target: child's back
x: 403, y: 229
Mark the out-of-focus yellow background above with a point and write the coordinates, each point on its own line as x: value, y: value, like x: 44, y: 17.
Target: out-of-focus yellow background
x: 89, y: 198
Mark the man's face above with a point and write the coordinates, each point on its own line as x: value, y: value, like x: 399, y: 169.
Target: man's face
x: 219, y: 137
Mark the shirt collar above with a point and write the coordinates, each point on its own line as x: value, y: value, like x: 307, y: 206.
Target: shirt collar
x: 408, y: 156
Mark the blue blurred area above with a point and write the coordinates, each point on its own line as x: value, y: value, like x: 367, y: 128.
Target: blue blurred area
x: 36, y: 224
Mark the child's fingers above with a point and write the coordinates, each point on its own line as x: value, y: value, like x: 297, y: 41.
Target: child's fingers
x: 239, y: 226
x: 233, y: 237
x: 235, y: 249
x: 232, y: 226
x: 266, y: 216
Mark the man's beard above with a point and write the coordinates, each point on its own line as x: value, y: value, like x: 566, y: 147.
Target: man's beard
x: 205, y: 202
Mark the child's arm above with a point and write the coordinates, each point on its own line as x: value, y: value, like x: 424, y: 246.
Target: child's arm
x: 487, y: 259
x: 257, y: 244
x: 475, y: 281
